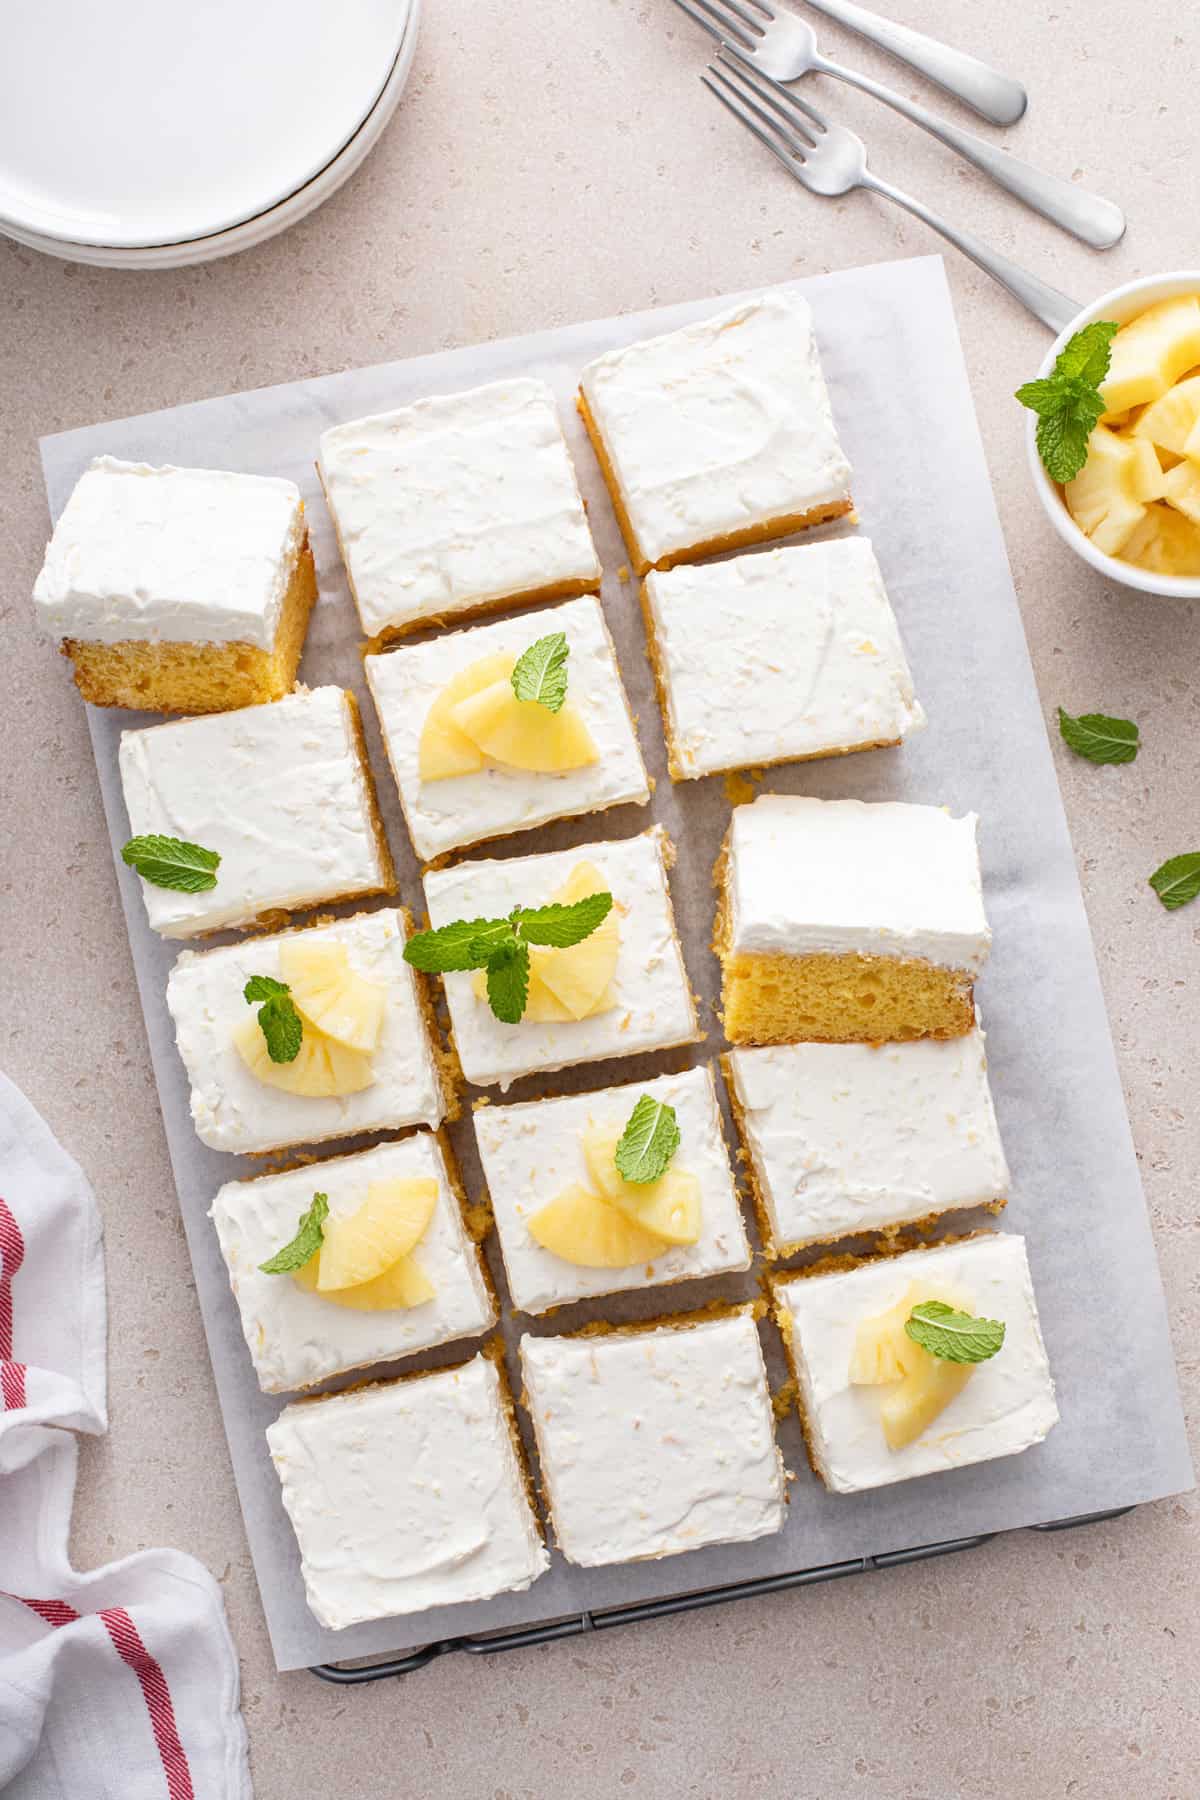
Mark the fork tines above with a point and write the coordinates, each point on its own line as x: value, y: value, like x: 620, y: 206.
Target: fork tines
x: 730, y: 21
x: 788, y: 119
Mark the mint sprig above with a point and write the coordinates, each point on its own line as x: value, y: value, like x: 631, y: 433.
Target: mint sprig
x: 953, y: 1336
x: 1068, y: 401
x: 278, y: 1019
x: 170, y: 862
x: 1099, y: 738
x: 310, y: 1235
x: 648, y: 1142
x: 1177, y: 880
x: 501, y: 946
x: 540, y: 674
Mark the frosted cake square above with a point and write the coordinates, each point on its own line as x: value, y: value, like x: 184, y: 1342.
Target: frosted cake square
x: 472, y: 761
x: 848, y: 921
x: 777, y: 657
x: 457, y: 504
x: 570, y: 1227
x: 281, y: 793
x: 849, y: 1138
x: 718, y: 435
x: 374, y: 1068
x: 655, y: 1441
x: 406, y: 1495
x: 877, y: 1407
x: 298, y: 1333
x: 178, y: 590
x: 622, y: 991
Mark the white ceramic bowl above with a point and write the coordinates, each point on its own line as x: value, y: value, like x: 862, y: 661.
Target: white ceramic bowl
x: 1121, y: 304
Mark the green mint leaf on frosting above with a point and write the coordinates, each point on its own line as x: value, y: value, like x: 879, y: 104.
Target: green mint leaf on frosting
x: 541, y: 672
x: 1068, y: 401
x: 953, y: 1336
x: 263, y: 987
x: 169, y: 862
x: 278, y: 1019
x: 648, y: 1142
x: 465, y: 944
x: 560, y: 926
x: 508, y: 982
x: 1099, y: 738
x: 310, y: 1235
x: 1178, y: 880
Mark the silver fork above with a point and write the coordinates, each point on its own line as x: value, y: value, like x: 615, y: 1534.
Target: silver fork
x: 784, y: 48
x: 827, y: 159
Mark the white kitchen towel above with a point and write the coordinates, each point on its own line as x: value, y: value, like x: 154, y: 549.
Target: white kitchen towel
x: 122, y: 1683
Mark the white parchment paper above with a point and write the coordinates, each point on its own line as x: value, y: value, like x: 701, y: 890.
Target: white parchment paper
x: 900, y: 394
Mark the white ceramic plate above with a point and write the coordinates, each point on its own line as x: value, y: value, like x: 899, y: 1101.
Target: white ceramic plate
x: 157, y: 122
x: 265, y: 225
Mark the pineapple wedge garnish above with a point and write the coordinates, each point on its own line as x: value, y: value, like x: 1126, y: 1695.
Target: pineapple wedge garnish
x: 523, y: 734
x: 366, y: 1243
x: 1173, y: 418
x: 1164, y: 542
x: 574, y: 984
x: 403, y: 1285
x: 910, y: 1406
x: 669, y: 1207
x: 1102, y: 499
x: 329, y: 994
x: 918, y: 1386
x: 444, y: 750
x: 1152, y: 352
x: 585, y: 1230
x: 323, y: 1069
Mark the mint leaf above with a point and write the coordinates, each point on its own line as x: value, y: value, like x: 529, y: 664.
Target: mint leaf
x: 263, y: 987
x: 310, y: 1235
x: 1178, y: 880
x: 169, y: 862
x: 1068, y: 402
x: 561, y: 926
x: 1099, y: 738
x: 508, y: 982
x: 541, y: 672
x: 953, y: 1336
x: 280, y: 1025
x: 464, y: 944
x: 648, y: 1142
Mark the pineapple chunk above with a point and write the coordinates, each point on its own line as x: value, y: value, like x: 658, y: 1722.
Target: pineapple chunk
x: 566, y: 985
x: 1182, y: 490
x: 1101, y: 497
x: 331, y: 995
x: 521, y: 734
x: 1164, y: 542
x: 403, y: 1285
x: 1147, y: 478
x: 910, y: 1406
x: 323, y: 1070
x: 444, y: 750
x: 585, y: 1230
x: 541, y: 1008
x: 1152, y: 352
x: 669, y: 1207
x: 363, y: 1244
x: 1173, y: 417
x: 883, y: 1350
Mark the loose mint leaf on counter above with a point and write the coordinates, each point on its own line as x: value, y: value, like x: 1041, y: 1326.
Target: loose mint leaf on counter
x: 170, y: 862
x: 310, y: 1235
x: 1099, y: 738
x: 1178, y: 880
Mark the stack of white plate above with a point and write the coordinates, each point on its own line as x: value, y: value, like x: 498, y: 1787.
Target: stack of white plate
x: 153, y: 133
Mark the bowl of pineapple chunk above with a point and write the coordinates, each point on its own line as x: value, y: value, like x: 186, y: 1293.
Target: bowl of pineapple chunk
x: 1133, y: 510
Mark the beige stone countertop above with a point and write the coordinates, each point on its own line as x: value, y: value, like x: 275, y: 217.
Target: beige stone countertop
x: 556, y: 160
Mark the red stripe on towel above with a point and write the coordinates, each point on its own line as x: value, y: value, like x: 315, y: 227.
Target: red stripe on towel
x: 12, y: 1255
x: 157, y: 1695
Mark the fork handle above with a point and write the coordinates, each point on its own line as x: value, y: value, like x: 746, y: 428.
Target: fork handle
x: 1096, y: 221
x: 1054, y: 309
x: 985, y: 90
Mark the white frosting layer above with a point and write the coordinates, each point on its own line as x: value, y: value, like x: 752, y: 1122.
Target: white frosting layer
x: 456, y: 501
x: 531, y: 1152
x: 444, y: 815
x: 297, y: 1337
x: 720, y: 426
x: 279, y: 791
x: 233, y: 1110
x: 170, y: 556
x: 406, y: 1496
x: 852, y: 877
x: 1007, y: 1405
x: 856, y: 1137
x: 780, y: 654
x: 655, y: 1443
x: 654, y: 1005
